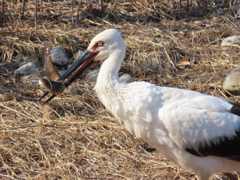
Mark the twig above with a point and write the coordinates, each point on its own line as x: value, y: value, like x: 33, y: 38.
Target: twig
x: 40, y: 5
x: 35, y: 14
x: 3, y: 11
x: 102, y: 7
x: 79, y: 7
x: 72, y: 11
x: 230, y: 94
x: 169, y: 59
x: 23, y: 9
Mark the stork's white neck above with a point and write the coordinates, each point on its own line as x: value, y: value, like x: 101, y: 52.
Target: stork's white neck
x: 108, y: 74
x: 108, y: 84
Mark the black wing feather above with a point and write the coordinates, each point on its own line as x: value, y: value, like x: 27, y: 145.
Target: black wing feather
x: 226, y: 148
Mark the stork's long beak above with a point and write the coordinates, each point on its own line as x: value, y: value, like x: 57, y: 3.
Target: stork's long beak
x: 80, y: 65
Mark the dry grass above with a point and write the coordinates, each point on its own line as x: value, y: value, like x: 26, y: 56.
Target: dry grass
x: 74, y: 137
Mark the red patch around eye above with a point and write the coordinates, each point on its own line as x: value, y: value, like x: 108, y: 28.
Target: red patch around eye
x: 98, y: 44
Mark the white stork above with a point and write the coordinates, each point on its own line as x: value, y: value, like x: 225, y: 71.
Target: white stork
x: 197, y: 131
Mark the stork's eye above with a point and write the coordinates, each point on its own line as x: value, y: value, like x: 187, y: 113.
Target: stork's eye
x: 100, y: 43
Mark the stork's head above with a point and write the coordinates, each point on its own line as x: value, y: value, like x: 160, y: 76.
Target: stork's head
x: 105, y: 44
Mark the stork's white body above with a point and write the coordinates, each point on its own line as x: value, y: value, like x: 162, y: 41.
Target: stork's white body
x: 169, y: 118
x: 178, y: 123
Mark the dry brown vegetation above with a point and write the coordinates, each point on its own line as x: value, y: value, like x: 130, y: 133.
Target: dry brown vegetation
x: 74, y: 137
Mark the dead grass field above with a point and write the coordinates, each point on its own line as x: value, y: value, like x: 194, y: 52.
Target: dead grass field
x: 74, y: 137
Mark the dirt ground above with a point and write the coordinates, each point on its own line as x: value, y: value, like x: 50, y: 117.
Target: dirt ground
x: 74, y: 137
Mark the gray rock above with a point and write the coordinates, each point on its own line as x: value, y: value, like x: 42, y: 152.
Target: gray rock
x: 91, y: 77
x: 219, y: 10
x: 237, y: 7
x: 126, y: 78
x: 2, y: 91
x: 35, y: 81
x: 61, y: 72
x: 22, y: 63
x: 59, y: 55
x: 232, y: 82
x: 231, y: 41
x: 152, y: 62
x: 26, y: 69
x: 3, y: 64
x: 78, y: 54
x: 30, y: 79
